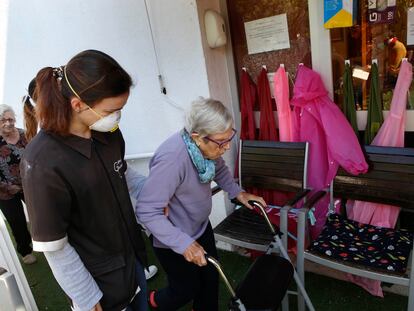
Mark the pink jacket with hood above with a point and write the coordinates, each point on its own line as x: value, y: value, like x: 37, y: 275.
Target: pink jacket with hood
x: 333, y: 143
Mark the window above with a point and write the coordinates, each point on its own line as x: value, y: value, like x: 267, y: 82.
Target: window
x: 368, y: 40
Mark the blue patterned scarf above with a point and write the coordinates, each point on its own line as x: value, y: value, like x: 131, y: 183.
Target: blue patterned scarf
x: 206, y: 168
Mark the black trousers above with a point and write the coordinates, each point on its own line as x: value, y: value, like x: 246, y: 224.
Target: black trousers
x: 187, y: 281
x: 14, y: 213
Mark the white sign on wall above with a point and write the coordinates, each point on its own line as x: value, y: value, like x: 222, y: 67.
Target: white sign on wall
x: 410, y: 26
x: 267, y: 34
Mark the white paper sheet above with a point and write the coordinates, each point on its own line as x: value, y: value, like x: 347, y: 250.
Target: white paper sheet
x: 410, y: 26
x: 267, y: 34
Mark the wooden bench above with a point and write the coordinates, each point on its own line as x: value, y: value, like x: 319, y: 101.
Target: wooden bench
x: 265, y: 165
x: 272, y: 166
x: 390, y: 180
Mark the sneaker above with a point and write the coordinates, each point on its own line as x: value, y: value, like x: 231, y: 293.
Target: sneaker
x: 150, y: 271
x: 29, y: 259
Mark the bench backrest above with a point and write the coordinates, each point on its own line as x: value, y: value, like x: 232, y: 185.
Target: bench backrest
x: 390, y: 179
x: 273, y: 165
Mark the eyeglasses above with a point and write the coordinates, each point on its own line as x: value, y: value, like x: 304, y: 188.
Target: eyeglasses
x: 222, y: 143
x: 10, y: 120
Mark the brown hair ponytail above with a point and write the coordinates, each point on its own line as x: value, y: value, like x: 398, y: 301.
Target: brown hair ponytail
x: 53, y: 110
x: 30, y: 121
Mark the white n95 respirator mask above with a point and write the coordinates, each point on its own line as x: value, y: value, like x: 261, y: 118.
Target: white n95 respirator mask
x: 108, y: 123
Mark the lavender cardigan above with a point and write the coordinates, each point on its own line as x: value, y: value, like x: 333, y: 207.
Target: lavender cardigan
x: 173, y: 182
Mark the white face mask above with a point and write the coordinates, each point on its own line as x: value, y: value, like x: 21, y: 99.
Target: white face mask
x: 108, y: 123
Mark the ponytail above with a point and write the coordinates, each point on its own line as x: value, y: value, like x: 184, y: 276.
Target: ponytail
x: 53, y: 110
x: 30, y: 121
x: 29, y: 113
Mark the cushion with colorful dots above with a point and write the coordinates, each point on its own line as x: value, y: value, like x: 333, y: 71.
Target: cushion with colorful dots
x: 353, y: 242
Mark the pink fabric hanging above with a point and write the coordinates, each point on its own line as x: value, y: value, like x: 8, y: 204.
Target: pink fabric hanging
x: 281, y: 91
x: 391, y: 134
x: 392, y: 130
x: 267, y: 129
x: 317, y: 120
x: 247, y: 100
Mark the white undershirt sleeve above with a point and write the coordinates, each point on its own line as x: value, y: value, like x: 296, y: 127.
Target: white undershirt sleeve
x: 74, y: 278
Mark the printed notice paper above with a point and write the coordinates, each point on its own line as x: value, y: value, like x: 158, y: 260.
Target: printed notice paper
x: 410, y: 26
x: 267, y: 34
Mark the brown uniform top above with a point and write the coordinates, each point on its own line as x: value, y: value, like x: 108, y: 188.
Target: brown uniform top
x: 75, y: 191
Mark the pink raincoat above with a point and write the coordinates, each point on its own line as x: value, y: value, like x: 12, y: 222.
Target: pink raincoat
x: 319, y: 121
x: 391, y: 134
x: 267, y: 129
x: 281, y: 92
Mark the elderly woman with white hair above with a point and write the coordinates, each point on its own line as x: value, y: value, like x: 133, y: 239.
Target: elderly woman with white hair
x: 176, y: 201
x: 12, y: 144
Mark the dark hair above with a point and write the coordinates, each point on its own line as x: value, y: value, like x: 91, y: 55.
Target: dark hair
x: 91, y: 75
x: 30, y: 121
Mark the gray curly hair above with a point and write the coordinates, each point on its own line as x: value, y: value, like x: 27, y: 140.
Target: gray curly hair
x: 6, y: 108
x: 207, y: 117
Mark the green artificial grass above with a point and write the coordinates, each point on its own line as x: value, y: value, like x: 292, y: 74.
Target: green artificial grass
x: 326, y: 293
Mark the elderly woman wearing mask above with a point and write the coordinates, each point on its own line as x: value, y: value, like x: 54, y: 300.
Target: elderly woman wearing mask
x: 181, y: 172
x: 12, y: 144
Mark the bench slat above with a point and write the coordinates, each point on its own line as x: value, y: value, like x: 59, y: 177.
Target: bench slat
x: 395, y: 159
x: 273, y: 144
x: 377, y: 180
x: 281, y: 172
x: 247, y: 226
x: 270, y: 158
x: 267, y: 182
x: 297, y: 153
x: 398, y: 151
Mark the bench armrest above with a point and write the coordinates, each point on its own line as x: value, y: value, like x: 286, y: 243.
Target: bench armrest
x: 314, y: 199
x: 284, y: 211
x: 302, y: 219
x: 299, y: 196
x: 215, y: 190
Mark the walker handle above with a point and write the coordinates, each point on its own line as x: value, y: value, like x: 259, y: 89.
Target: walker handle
x: 217, y: 265
x: 262, y: 210
x: 264, y: 214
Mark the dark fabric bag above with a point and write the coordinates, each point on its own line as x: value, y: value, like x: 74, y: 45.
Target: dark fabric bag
x: 265, y: 283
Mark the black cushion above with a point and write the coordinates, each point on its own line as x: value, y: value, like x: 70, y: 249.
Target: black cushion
x: 349, y: 241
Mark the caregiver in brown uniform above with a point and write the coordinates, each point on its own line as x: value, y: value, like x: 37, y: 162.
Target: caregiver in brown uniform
x: 73, y: 174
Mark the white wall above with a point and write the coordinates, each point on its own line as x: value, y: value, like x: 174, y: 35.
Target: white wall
x: 47, y: 33
x: 4, y: 7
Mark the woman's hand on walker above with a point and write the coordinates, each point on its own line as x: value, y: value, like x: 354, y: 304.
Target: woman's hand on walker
x: 245, y: 197
x: 195, y: 254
